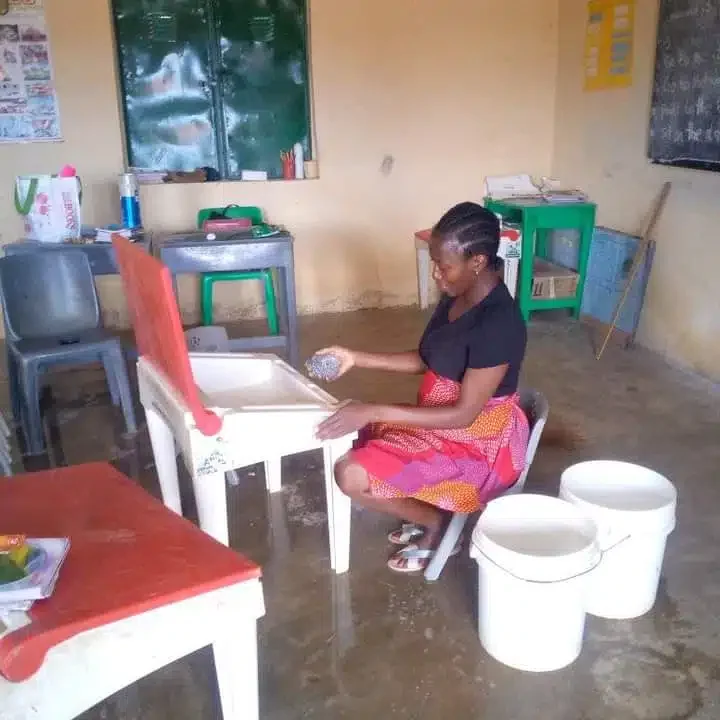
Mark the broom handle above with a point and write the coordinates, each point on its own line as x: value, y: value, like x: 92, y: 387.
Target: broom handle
x: 646, y: 240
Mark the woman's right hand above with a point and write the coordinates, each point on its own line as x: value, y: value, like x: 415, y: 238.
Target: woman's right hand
x: 347, y: 358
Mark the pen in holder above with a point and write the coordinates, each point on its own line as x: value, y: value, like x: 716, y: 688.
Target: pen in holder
x: 288, y: 165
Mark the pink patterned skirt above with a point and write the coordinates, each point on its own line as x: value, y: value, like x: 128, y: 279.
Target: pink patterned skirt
x: 458, y: 470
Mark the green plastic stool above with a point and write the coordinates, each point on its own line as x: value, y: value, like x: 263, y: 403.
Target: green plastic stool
x: 206, y: 292
x: 207, y: 280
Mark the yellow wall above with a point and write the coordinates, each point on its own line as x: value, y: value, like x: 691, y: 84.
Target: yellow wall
x: 452, y: 90
x: 429, y: 82
x: 600, y: 145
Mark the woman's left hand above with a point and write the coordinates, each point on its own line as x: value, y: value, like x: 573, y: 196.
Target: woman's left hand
x: 348, y: 419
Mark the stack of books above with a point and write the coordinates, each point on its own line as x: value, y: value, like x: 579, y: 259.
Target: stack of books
x: 29, y: 569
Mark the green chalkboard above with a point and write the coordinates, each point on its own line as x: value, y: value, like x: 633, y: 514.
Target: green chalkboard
x: 218, y: 83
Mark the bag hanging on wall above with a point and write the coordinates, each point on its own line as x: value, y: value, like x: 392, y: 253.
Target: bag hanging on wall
x: 50, y: 206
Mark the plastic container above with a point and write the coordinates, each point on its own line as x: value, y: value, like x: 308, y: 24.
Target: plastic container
x: 634, y: 509
x: 299, y: 158
x: 255, y: 381
x: 534, y: 556
x: 130, y: 201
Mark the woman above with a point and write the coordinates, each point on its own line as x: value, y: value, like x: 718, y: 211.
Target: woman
x: 465, y: 441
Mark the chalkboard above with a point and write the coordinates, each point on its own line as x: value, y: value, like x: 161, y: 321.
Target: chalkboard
x: 263, y: 81
x: 685, y: 114
x: 213, y: 83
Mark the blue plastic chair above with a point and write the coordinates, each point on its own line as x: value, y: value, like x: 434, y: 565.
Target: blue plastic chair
x: 52, y: 318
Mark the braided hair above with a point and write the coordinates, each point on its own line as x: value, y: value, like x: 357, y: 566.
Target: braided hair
x: 475, y: 229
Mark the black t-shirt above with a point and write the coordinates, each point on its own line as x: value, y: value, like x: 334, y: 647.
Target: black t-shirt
x: 489, y: 334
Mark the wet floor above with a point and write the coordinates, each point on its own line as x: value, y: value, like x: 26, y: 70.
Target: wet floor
x: 373, y: 644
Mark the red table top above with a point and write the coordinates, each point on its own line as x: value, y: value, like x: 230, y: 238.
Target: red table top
x: 128, y: 554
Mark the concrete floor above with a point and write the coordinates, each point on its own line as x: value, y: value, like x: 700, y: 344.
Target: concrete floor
x: 375, y: 644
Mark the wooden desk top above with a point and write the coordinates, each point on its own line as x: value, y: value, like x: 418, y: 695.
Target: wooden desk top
x: 128, y: 554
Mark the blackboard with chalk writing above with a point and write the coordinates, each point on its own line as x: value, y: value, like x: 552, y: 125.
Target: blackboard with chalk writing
x: 685, y: 111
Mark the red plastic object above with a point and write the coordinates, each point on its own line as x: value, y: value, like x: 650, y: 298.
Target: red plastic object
x: 227, y: 224
x: 158, y: 330
x: 511, y: 234
x: 288, y: 166
x: 423, y: 235
x: 128, y: 554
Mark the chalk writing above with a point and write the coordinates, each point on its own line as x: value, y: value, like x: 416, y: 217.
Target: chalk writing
x: 685, y: 110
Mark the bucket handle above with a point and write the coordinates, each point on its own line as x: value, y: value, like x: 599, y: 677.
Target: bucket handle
x: 601, y: 554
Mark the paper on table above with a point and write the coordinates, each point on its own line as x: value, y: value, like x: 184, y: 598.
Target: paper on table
x: 499, y: 187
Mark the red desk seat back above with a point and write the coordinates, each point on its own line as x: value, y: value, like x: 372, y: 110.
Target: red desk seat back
x: 158, y: 330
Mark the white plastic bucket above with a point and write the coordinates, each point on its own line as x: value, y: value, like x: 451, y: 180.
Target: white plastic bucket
x: 534, y: 554
x: 634, y: 509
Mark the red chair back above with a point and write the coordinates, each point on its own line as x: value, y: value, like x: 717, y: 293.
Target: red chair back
x: 158, y: 330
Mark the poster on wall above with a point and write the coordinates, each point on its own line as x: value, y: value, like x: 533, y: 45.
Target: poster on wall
x: 28, y: 101
x: 609, y: 44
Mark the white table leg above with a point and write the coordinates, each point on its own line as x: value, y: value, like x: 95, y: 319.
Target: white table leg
x: 83, y: 670
x: 211, y: 502
x: 338, y: 506
x: 163, y: 447
x: 422, y: 254
x: 236, y: 666
x: 273, y: 474
x: 343, y: 622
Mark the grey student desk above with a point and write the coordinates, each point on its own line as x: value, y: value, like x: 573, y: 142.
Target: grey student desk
x: 101, y: 255
x: 191, y: 253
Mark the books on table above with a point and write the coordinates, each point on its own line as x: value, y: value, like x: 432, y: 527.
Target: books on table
x: 42, y: 569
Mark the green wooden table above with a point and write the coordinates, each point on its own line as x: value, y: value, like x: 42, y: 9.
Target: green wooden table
x: 536, y: 218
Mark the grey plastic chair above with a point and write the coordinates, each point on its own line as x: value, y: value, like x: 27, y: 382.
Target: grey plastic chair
x: 52, y: 317
x: 536, y: 408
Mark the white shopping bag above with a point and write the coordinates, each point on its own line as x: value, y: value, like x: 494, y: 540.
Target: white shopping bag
x: 50, y: 206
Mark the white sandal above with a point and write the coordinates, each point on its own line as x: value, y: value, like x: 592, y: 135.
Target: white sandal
x: 412, y: 559
x: 406, y: 534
